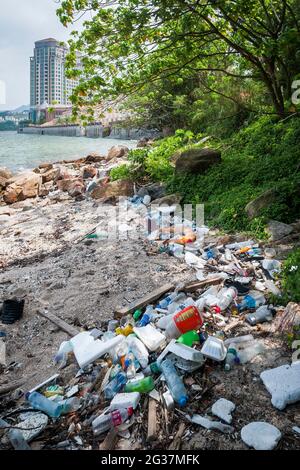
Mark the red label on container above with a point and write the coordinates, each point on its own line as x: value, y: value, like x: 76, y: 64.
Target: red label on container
x: 188, y: 319
x: 116, y: 418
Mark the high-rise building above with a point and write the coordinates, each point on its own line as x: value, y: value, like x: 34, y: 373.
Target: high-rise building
x: 48, y: 82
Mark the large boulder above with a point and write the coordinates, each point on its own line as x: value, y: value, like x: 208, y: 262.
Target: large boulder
x: 23, y: 186
x: 118, y: 151
x: 170, y: 200
x: 196, y: 160
x: 254, y: 207
x: 89, y: 171
x: 113, y: 190
x: 278, y: 230
x: 51, y: 175
x: 5, y: 173
x: 74, y: 187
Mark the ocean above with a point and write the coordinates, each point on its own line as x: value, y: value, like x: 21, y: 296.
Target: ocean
x: 19, y: 152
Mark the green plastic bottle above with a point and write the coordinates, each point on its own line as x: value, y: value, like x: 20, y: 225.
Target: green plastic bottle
x: 141, y: 386
x: 137, y: 314
x: 189, y: 338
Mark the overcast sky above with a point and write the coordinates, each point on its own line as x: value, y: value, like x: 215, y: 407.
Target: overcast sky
x: 22, y: 22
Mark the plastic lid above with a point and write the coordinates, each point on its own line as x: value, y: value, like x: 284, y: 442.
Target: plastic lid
x: 183, y: 401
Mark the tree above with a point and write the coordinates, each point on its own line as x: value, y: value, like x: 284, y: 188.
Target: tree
x: 128, y: 44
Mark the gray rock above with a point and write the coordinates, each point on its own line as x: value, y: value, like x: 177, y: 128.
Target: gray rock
x: 278, y: 230
x: 155, y: 191
x: 253, y: 208
x: 260, y: 435
x: 170, y: 200
x: 197, y: 160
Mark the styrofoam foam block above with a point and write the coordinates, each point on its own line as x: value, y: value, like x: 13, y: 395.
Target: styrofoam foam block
x: 223, y: 409
x: 260, y: 435
x: 283, y: 383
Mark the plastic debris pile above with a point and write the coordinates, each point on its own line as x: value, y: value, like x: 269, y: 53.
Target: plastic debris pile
x: 152, y: 361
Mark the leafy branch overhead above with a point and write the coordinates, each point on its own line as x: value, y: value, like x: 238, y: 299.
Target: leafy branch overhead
x: 129, y: 44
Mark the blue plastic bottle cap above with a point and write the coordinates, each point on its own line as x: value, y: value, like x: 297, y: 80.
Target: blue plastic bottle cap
x: 183, y: 401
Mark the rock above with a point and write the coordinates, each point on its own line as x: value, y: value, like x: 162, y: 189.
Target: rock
x: 196, y: 160
x: 5, y: 173
x: 155, y: 191
x: 44, y: 191
x: 170, y: 200
x: 89, y: 171
x: 145, y: 142
x: 253, y: 208
x: 278, y: 230
x: 223, y: 409
x: 51, y: 175
x: 2, y: 182
x: 283, y: 383
x: 24, y: 186
x: 118, y: 151
x: 76, y: 188
x: 46, y: 166
x: 260, y: 435
x: 114, y: 189
x: 94, y: 158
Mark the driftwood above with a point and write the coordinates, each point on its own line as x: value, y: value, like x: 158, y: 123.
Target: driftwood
x: 71, y: 330
x: 175, y: 445
x: 10, y: 387
x: 147, y: 299
x: 195, y: 285
x: 152, y: 421
x: 110, y: 441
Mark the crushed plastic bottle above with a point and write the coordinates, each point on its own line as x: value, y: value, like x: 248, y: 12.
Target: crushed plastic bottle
x: 226, y: 298
x: 174, y: 382
x: 232, y: 358
x: 111, y: 420
x: 248, y: 353
x: 115, y: 386
x: 148, y: 316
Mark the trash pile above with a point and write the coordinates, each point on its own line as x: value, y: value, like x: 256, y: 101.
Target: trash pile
x: 150, y: 363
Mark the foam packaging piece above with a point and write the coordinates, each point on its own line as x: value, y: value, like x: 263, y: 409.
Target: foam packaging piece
x: 214, y: 348
x: 260, y: 435
x: 283, y: 383
x: 223, y: 409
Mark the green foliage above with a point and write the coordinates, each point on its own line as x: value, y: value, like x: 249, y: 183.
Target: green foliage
x: 291, y: 277
x: 121, y: 172
x: 264, y: 155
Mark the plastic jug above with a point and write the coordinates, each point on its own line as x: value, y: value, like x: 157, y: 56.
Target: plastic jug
x: 111, y: 420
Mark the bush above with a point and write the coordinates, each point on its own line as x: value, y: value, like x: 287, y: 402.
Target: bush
x: 291, y: 277
x: 121, y: 172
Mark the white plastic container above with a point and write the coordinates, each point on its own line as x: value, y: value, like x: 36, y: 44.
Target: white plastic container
x: 185, y: 352
x: 151, y: 337
x: 214, y: 348
x: 125, y: 400
x: 87, y: 349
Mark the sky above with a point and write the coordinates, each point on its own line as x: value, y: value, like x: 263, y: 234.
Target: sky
x: 22, y: 22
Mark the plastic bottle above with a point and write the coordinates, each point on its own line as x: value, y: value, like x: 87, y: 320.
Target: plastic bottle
x: 70, y: 405
x: 226, y: 297
x: 137, y: 315
x: 17, y: 440
x: 164, y: 303
x: 145, y: 385
x: 174, y: 382
x: 186, y: 320
x: 245, y: 355
x: 152, y: 369
x: 111, y: 420
x: 262, y: 314
x: 39, y: 402
x: 115, y: 386
x: 131, y: 365
x: 231, y: 358
x: 139, y: 350
x: 148, y: 316
x: 253, y: 300
x: 189, y: 338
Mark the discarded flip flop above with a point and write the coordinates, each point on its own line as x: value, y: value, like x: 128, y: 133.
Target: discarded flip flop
x: 241, y: 288
x: 12, y: 311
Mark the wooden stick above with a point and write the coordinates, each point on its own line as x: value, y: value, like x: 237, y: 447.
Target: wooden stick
x: 14, y: 385
x: 195, y: 285
x: 110, y: 441
x: 71, y: 330
x: 152, y: 421
x: 154, y: 295
x: 175, y: 445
